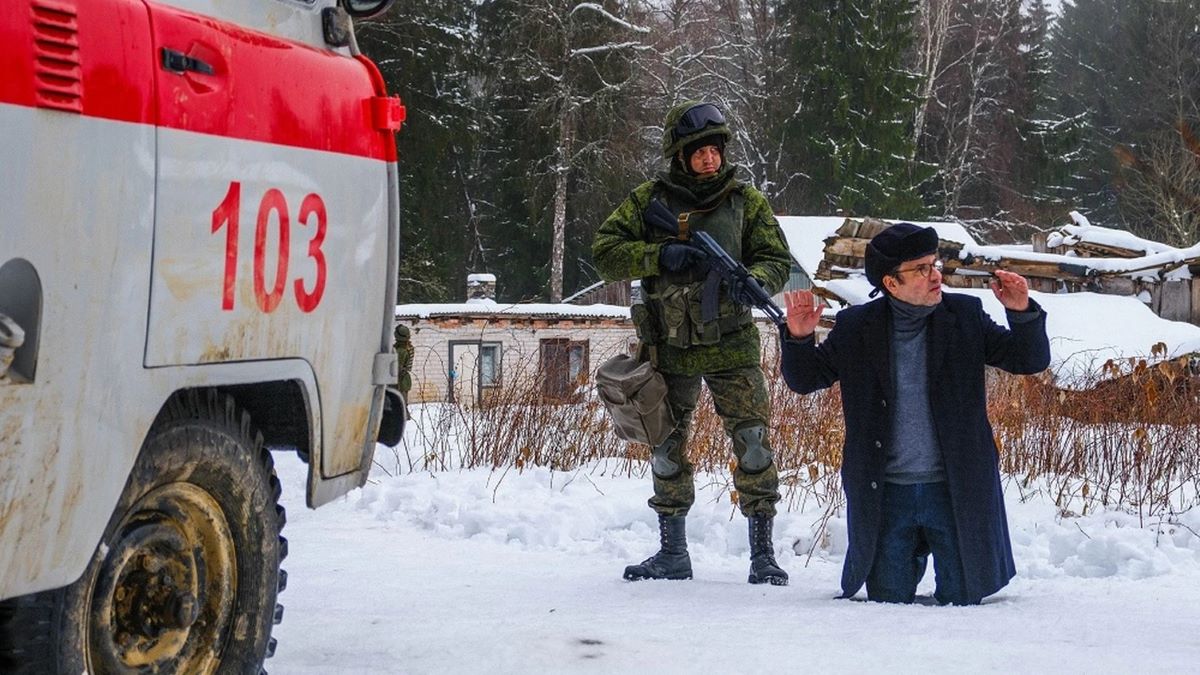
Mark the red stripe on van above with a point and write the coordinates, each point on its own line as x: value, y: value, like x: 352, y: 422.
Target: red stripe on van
x: 262, y: 88
x: 78, y: 56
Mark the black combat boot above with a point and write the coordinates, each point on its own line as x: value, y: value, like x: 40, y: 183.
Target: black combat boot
x: 671, y: 561
x: 763, y: 568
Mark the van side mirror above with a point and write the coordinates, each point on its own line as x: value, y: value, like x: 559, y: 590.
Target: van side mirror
x: 366, y: 9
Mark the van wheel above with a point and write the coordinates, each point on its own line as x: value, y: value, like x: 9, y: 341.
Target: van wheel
x: 186, y: 575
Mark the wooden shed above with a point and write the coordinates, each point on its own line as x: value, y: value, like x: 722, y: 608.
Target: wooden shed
x: 1075, y: 258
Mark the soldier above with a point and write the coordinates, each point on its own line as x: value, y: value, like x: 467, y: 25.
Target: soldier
x: 404, y: 358
x: 695, y: 329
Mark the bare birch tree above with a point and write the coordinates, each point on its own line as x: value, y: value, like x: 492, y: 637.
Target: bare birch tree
x: 568, y: 66
x: 748, y: 78
x: 933, y: 27
x: 577, y: 65
x: 968, y: 102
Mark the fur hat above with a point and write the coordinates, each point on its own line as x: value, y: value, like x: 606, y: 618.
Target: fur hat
x: 899, y: 243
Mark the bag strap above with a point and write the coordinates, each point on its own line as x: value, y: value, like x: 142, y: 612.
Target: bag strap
x: 648, y: 352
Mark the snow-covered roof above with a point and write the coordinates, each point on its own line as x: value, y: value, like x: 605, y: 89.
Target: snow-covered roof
x: 1082, y: 231
x: 806, y: 236
x: 491, y: 308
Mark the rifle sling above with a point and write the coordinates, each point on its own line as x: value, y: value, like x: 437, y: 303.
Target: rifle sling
x: 682, y: 218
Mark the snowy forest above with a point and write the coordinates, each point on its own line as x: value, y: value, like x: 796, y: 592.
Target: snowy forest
x: 530, y: 120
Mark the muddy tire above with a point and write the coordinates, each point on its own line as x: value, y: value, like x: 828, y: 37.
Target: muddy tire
x: 186, y: 575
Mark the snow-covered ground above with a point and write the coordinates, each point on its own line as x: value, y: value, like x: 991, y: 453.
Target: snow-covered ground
x: 481, y: 572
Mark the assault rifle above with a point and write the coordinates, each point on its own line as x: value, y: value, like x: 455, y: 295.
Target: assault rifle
x: 735, y: 274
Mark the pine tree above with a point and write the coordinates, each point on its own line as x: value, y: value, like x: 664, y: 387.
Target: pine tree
x: 1085, y: 43
x: 1129, y: 72
x: 854, y: 105
x: 424, y: 56
x: 1048, y: 154
x: 558, y: 72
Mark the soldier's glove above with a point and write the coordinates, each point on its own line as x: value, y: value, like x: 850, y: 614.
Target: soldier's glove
x: 748, y: 292
x: 677, y: 257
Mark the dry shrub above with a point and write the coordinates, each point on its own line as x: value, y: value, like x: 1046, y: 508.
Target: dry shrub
x: 1126, y: 436
x: 1133, y: 443
x: 516, y: 426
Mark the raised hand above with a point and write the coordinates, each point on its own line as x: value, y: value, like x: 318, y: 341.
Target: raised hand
x: 803, y: 313
x: 1011, y: 290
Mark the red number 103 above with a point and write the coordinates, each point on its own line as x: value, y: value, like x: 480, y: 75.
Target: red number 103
x: 226, y: 215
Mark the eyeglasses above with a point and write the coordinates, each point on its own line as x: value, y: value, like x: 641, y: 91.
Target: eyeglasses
x: 697, y: 118
x: 924, y: 269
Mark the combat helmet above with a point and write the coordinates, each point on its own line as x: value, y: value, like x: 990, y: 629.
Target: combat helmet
x: 691, y: 121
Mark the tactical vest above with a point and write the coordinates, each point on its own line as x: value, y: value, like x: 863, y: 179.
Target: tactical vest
x: 674, y: 300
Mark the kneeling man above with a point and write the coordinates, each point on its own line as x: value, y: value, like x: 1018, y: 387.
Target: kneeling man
x: 919, y: 467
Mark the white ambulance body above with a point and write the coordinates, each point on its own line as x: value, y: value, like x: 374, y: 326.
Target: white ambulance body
x: 198, y: 240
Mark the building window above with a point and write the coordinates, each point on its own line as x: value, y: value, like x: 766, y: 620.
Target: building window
x: 577, y: 362
x: 476, y: 369
x: 564, y: 367
x: 489, y: 365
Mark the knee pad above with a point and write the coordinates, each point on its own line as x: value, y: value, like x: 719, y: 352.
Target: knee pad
x: 660, y: 459
x: 756, y: 456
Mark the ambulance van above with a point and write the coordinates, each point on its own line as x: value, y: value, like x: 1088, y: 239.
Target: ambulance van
x: 199, y: 235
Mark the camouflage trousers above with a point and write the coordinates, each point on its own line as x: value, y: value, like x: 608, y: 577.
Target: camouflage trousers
x: 741, y: 400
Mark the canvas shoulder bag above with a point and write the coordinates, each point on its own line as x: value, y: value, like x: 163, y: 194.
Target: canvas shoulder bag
x: 635, y: 394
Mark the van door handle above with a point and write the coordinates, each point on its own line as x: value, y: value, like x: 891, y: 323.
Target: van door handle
x: 178, y: 62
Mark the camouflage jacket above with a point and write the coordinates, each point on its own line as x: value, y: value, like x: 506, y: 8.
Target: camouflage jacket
x: 626, y: 248
x: 404, y: 358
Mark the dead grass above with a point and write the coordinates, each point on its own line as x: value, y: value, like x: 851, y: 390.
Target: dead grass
x: 1134, y: 444
x: 1129, y: 441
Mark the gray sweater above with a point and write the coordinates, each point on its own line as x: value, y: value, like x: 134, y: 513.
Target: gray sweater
x: 914, y: 455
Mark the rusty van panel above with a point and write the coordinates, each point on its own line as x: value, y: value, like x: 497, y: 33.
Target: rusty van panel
x: 69, y: 436
x: 218, y: 295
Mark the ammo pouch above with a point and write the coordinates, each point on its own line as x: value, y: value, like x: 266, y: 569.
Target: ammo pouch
x: 644, y: 325
x: 681, y: 308
x: 635, y: 394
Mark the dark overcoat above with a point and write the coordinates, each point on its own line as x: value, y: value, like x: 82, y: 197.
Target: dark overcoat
x: 962, y: 338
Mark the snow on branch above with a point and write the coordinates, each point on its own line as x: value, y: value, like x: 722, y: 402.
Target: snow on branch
x: 606, y: 14
x: 607, y: 48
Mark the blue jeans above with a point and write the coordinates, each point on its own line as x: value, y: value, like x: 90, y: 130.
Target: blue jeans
x: 917, y: 520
